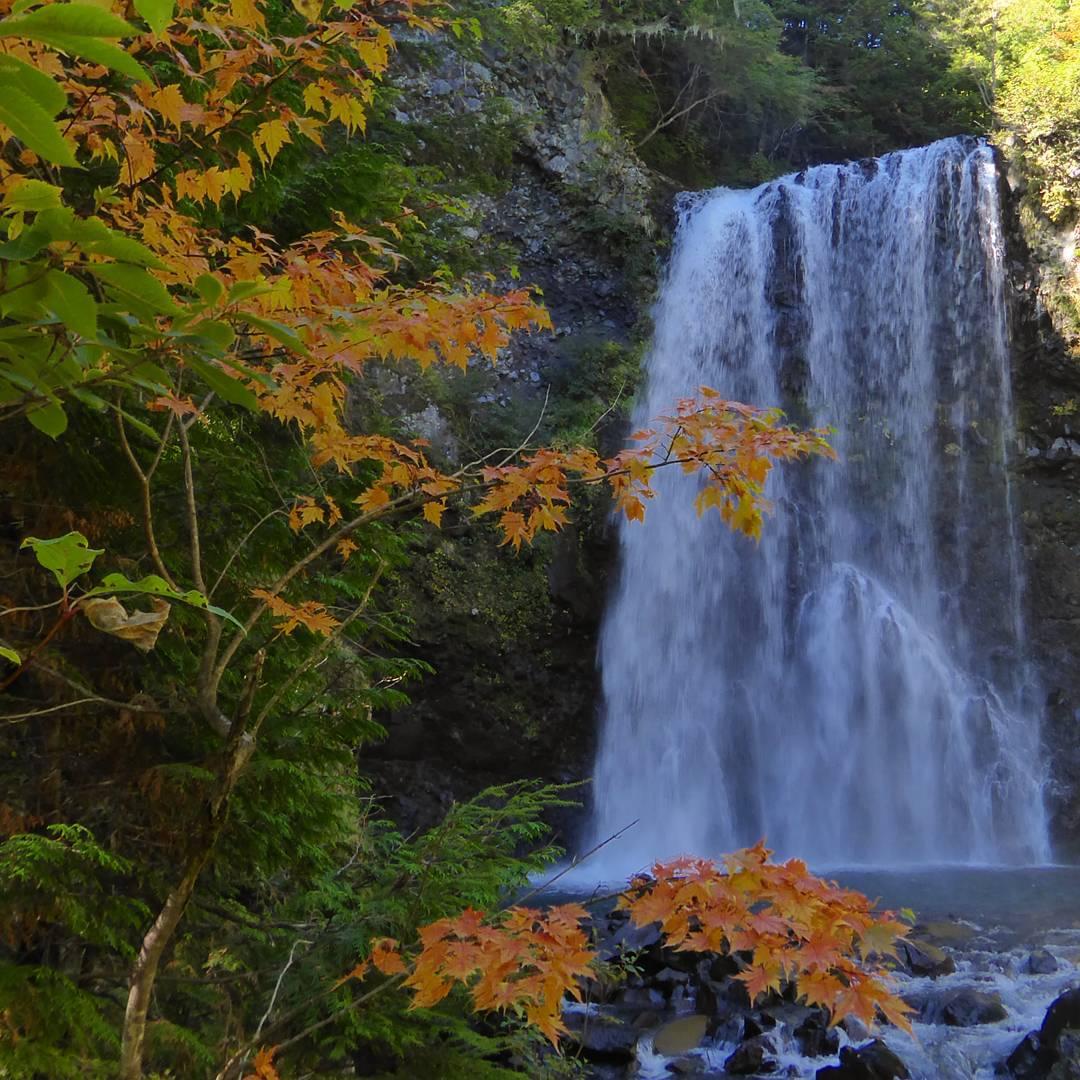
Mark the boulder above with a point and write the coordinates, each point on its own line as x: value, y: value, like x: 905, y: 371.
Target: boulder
x: 924, y: 958
x: 687, y: 1066
x: 680, y: 1036
x: 629, y: 938
x: 757, y: 1023
x: 639, y: 998
x: 1041, y: 1052
x: 815, y: 1038
x: 968, y: 1007
x: 752, y: 1058
x: 1067, y: 1066
x: 961, y: 1007
x: 1041, y: 962
x: 872, y: 1061
x: 602, y: 1035
x: 668, y: 977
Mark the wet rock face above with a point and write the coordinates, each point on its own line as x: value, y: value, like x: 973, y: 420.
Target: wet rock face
x: 1046, y: 392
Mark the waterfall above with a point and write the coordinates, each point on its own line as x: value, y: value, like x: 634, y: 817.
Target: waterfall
x: 854, y: 688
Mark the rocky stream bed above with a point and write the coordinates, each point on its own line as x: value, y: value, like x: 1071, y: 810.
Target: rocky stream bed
x: 990, y: 968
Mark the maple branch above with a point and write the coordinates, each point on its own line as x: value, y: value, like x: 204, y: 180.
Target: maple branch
x: 206, y: 686
x: 31, y: 607
x: 301, y: 564
x: 14, y: 718
x: 89, y: 698
x: 192, y: 511
x: 207, y: 136
x: 144, y: 493
x: 317, y: 654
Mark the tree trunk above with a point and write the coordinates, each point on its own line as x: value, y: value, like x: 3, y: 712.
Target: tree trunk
x: 144, y: 973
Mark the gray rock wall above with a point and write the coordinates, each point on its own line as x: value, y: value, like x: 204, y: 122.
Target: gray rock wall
x: 1047, y: 387
x: 513, y: 638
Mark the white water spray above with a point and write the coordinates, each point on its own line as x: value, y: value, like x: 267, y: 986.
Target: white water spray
x: 854, y: 688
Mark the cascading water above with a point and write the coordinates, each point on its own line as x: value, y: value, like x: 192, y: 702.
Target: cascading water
x: 854, y: 688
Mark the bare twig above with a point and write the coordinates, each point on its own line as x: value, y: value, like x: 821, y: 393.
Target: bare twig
x: 575, y: 862
x: 277, y: 986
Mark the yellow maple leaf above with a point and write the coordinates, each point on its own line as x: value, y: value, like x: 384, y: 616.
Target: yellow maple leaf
x: 169, y: 102
x: 269, y: 138
x: 305, y: 513
x: 433, y: 511
x: 245, y: 13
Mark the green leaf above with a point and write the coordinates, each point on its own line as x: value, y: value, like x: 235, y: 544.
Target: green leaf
x: 209, y: 288
x: 50, y: 418
x: 28, y: 243
x: 76, y: 20
x: 153, y: 585
x: 157, y: 13
x: 243, y: 290
x: 95, y: 236
x: 67, y: 556
x: 35, y: 84
x: 100, y: 52
x: 281, y: 334
x: 70, y: 300
x: 225, y: 386
x: 132, y: 282
x: 34, y: 127
x: 219, y: 334
x: 33, y: 195
x: 10, y: 654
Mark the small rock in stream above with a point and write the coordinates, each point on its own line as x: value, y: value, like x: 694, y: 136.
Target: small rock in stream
x: 1041, y: 962
x: 752, y: 1058
x: 687, y: 1066
x: 873, y: 1061
x: 922, y: 958
x: 969, y: 1007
